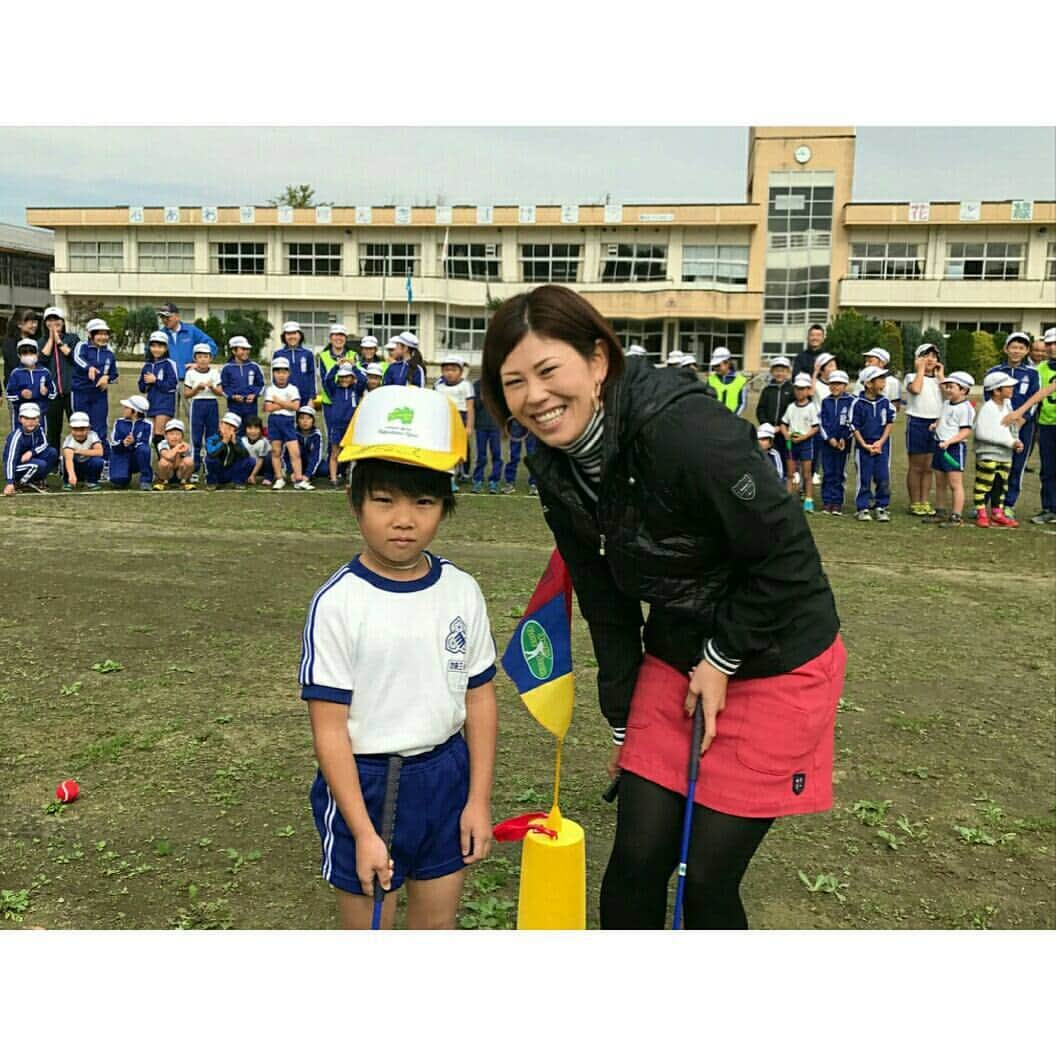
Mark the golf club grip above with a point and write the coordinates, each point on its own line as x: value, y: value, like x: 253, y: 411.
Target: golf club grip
x: 388, y: 813
x: 698, y: 736
x: 610, y: 794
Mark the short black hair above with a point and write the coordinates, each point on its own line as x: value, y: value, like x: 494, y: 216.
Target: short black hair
x: 816, y: 326
x: 415, y: 482
x: 253, y: 419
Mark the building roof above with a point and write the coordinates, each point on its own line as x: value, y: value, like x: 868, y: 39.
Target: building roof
x: 27, y: 240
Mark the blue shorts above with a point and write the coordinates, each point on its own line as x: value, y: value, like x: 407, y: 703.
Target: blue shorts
x: 282, y: 427
x: 957, y: 451
x: 427, y: 841
x: 802, y: 451
x: 920, y: 440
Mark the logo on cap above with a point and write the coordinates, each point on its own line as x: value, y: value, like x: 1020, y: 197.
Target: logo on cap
x: 537, y: 650
x: 401, y: 414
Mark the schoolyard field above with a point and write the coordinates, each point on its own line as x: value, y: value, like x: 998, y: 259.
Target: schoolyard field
x: 149, y: 647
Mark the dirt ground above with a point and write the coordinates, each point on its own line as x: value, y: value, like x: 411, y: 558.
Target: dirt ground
x: 194, y: 757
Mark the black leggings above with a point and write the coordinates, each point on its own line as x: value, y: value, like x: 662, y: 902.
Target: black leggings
x: 646, y: 852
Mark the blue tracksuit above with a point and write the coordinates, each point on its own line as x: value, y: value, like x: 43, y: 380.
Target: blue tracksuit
x: 84, y: 394
x: 182, y: 342
x: 1027, y: 383
x: 227, y: 464
x: 242, y: 379
x: 133, y: 458
x: 399, y: 373
x: 161, y: 394
x: 519, y: 436
x: 25, y: 378
x: 41, y: 462
x: 777, y: 462
x: 834, y: 423
x: 869, y: 418
x: 343, y: 402
x: 205, y: 422
x: 302, y: 370
x: 313, y: 462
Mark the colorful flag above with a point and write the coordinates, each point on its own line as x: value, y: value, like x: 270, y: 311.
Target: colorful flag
x: 538, y: 658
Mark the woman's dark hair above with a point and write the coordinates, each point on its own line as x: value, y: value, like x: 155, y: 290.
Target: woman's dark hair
x: 23, y: 315
x: 415, y: 482
x: 551, y: 311
x: 415, y: 360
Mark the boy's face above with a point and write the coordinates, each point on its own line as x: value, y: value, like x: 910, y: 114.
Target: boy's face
x: 827, y: 369
x: 1003, y: 393
x: 305, y: 423
x: 953, y: 392
x: 280, y: 376
x: 291, y: 340
x: 80, y: 432
x: 780, y: 374
x: 931, y: 361
x: 373, y: 381
x: 337, y: 342
x: 765, y: 442
x: 157, y: 349
x: 876, y: 386
x: 100, y: 338
x: 253, y: 432
x: 345, y: 380
x: 202, y: 361
x: 838, y: 388
x: 174, y: 437
x: 29, y: 424
x: 241, y: 354
x: 399, y: 528
x: 802, y: 395
x: 452, y: 374
x: 227, y: 432
x: 721, y: 368
x: 1016, y: 351
x: 127, y: 412
x: 871, y: 361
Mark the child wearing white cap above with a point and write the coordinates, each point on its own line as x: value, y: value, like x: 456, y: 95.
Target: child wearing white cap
x: 174, y: 458
x: 201, y: 387
x: 799, y: 425
x: 130, y: 445
x: 368, y: 353
x: 28, y: 382
x: 418, y: 714
x: 344, y: 386
x: 923, y: 397
x: 331, y: 355
x: 872, y: 420
x: 281, y: 402
x: 301, y: 360
x: 159, y: 381
x: 952, y: 429
x: 996, y: 446
x: 406, y: 367
x: 765, y: 435
x: 729, y: 387
x: 834, y: 440
x: 454, y: 384
x: 309, y: 447
x: 241, y: 380
x: 28, y: 457
x: 226, y: 459
x: 373, y: 373
x: 82, y: 454
x: 94, y: 370
x: 773, y: 401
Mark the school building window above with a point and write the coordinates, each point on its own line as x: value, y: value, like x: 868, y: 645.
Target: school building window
x: 700, y: 336
x: 723, y: 265
x: 649, y: 333
x: 886, y: 260
x: 984, y: 260
x: 169, y: 258
x: 797, y: 295
x: 237, y: 258
x: 313, y: 258
x: 799, y: 210
x: 385, y: 325
x: 314, y: 325
x: 96, y: 256
x: 463, y: 333
x: 633, y: 262
x: 550, y: 262
x: 472, y: 260
x: 1050, y: 261
x: 985, y: 325
x: 31, y: 272
x: 390, y: 258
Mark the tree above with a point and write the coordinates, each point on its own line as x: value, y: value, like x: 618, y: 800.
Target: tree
x: 891, y: 341
x: 252, y: 324
x: 960, y: 352
x: 300, y: 197
x: 80, y: 309
x: 986, y: 354
x: 911, y: 340
x: 140, y: 324
x: 117, y: 320
x: 849, y: 335
x: 934, y: 337
x: 999, y: 343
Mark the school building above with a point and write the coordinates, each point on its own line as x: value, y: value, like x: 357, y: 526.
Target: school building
x: 26, y: 261
x: 749, y: 275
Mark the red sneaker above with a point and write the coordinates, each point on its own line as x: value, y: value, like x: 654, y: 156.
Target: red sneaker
x: 999, y: 518
x: 982, y: 519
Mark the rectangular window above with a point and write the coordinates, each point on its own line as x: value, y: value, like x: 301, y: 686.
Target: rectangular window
x: 700, y: 337
x: 315, y: 325
x: 796, y: 295
x: 384, y: 325
x: 471, y: 260
x: 800, y: 216
x: 463, y: 333
x: 31, y: 272
x: 390, y: 258
x: 984, y: 325
x: 550, y: 262
x: 313, y: 258
x: 1000, y: 261
x: 168, y: 258
x: 649, y: 333
x: 633, y: 262
x: 1050, y: 261
x: 720, y: 265
x: 237, y: 258
x: 887, y: 260
x: 96, y: 256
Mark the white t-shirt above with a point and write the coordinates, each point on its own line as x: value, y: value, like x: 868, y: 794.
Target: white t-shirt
x: 406, y: 689
x: 210, y: 377
x: 953, y: 418
x: 800, y: 419
x: 928, y: 404
x: 892, y: 390
x: 71, y: 443
x: 821, y: 390
x: 164, y: 445
x: 259, y: 448
x: 287, y: 392
x: 459, y: 393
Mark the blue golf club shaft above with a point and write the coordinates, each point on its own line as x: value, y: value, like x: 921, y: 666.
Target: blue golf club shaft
x: 388, y: 821
x: 687, y: 819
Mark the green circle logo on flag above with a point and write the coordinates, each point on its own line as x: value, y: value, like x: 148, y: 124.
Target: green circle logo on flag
x: 537, y: 650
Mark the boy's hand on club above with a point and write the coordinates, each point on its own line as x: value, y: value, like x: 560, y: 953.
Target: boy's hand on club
x: 612, y: 764
x: 475, y: 829
x: 709, y: 683
x: 372, y: 859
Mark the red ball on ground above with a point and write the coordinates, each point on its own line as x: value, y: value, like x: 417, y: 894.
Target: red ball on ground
x: 68, y: 791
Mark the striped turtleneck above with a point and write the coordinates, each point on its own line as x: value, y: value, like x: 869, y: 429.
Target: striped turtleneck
x: 584, y: 454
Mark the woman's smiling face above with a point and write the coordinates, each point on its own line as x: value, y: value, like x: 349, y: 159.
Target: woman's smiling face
x: 550, y: 388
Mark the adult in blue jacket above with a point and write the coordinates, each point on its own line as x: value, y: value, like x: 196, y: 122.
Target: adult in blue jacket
x: 182, y: 338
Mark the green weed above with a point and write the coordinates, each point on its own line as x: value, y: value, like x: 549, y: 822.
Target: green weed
x: 825, y: 884
x: 71, y: 690
x: 104, y: 667
x: 871, y: 812
x: 14, y: 905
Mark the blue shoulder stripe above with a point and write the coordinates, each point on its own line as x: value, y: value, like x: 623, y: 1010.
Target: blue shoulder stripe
x: 307, y: 648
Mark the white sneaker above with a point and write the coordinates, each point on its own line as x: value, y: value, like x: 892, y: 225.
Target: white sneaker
x: 279, y: 485
x: 796, y: 478
x: 817, y: 479
x: 303, y: 485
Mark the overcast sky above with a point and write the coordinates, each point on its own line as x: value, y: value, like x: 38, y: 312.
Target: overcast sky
x: 375, y: 166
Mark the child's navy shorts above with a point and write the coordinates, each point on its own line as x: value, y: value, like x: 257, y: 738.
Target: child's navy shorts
x: 282, y: 427
x: 958, y: 452
x: 803, y: 451
x: 427, y: 842
x: 920, y: 440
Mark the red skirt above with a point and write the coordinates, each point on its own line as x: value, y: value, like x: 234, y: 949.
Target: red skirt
x: 773, y: 749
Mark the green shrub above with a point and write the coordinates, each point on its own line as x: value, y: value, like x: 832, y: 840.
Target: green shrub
x: 960, y: 352
x: 891, y: 341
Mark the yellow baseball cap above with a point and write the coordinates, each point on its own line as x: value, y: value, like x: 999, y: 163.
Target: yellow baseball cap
x: 404, y: 423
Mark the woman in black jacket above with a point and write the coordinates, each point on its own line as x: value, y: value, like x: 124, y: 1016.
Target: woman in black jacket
x: 656, y: 493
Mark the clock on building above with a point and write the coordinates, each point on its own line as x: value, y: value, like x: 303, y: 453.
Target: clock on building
x: 802, y: 154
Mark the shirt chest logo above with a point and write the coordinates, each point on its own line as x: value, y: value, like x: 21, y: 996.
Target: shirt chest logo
x: 455, y: 642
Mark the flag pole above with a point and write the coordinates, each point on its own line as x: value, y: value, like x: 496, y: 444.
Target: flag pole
x: 553, y: 820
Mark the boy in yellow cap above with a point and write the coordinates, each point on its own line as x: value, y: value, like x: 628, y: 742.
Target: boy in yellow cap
x: 420, y: 705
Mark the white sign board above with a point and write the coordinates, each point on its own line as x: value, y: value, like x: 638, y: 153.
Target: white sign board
x: 1022, y: 210
x: 570, y: 214
x: 210, y: 214
x: 443, y: 214
x: 324, y: 214
x: 285, y: 214
x: 656, y: 218
x: 919, y: 212
x: 135, y: 214
x: 172, y: 214
x: 613, y: 214
x: 485, y: 213
x: 247, y: 214
x: 362, y: 214
x: 526, y: 214
x: 970, y: 212
x: 403, y: 214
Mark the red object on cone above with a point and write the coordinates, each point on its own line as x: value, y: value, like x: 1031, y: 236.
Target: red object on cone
x: 513, y: 829
x: 68, y: 791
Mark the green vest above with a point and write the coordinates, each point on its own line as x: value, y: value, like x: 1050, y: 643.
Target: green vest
x: 728, y: 392
x: 1047, y: 375
x: 326, y: 364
